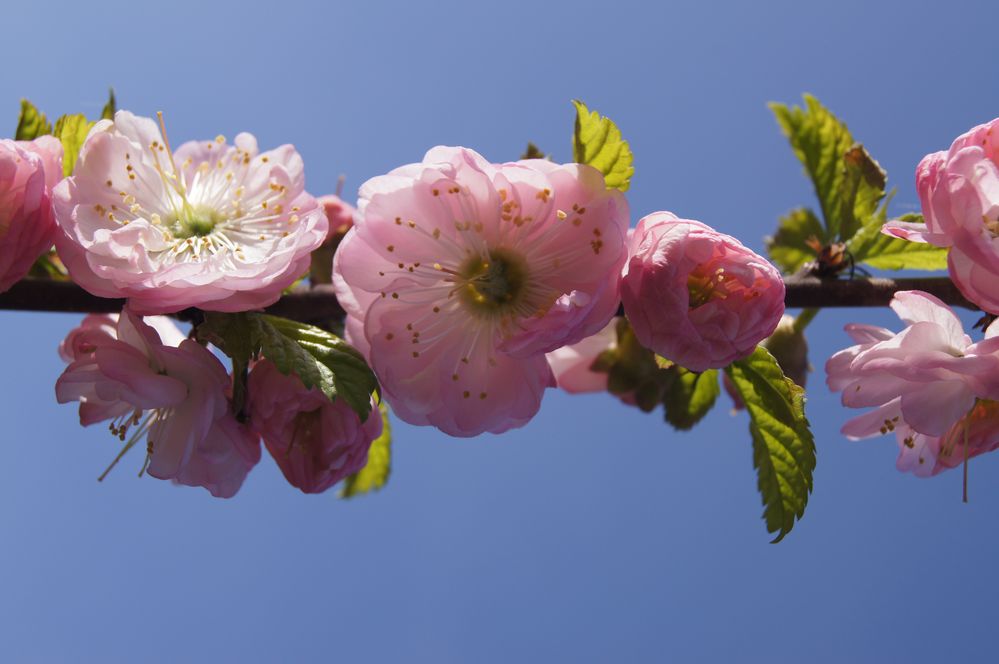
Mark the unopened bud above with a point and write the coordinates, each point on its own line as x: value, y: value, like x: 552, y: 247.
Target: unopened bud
x: 340, y: 215
x: 789, y: 348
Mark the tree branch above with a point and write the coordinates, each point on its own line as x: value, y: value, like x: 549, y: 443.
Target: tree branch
x: 312, y: 305
x: 308, y: 305
x: 815, y: 292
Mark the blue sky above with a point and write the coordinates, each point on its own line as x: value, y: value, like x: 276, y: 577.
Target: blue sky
x: 594, y: 534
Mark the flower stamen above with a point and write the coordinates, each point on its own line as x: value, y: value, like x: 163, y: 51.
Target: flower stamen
x: 119, y: 431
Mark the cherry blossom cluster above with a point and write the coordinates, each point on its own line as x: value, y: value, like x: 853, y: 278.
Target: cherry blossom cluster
x: 462, y: 280
x: 215, y: 226
x: 470, y: 287
x: 929, y: 384
x: 170, y: 393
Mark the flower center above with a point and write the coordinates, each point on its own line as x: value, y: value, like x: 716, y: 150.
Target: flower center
x: 188, y: 220
x: 992, y: 226
x: 493, y: 285
x: 706, y: 287
x: 195, y: 222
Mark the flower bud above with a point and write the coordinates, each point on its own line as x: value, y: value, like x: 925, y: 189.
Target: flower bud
x: 696, y: 296
x: 314, y: 441
x: 339, y: 213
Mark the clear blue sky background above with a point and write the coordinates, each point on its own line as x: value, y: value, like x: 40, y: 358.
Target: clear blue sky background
x: 596, y: 533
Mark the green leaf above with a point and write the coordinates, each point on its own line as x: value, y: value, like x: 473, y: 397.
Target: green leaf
x: 632, y: 369
x: 820, y: 142
x: 898, y: 254
x: 865, y: 185
x: 597, y: 141
x: 788, y: 247
x: 375, y: 473
x: 690, y: 396
x: 783, y: 447
x: 72, y: 131
x: 233, y: 334
x: 872, y: 247
x: 320, y: 359
x: 31, y: 123
x: 49, y: 266
x: 107, y: 113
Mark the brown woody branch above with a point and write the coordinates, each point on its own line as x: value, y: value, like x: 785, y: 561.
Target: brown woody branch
x: 308, y: 305
x: 807, y: 292
x: 319, y: 304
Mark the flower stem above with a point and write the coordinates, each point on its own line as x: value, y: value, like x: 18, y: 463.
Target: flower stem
x: 802, y: 320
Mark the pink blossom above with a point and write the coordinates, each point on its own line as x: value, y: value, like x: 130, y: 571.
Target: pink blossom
x: 339, y: 213
x: 572, y: 365
x: 460, y: 275
x: 924, y: 378
x: 696, y: 296
x: 217, y: 226
x: 82, y: 341
x: 221, y: 460
x: 979, y: 428
x: 28, y: 171
x: 925, y: 456
x: 959, y: 192
x: 314, y: 441
x: 96, y: 329
x: 175, y: 396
